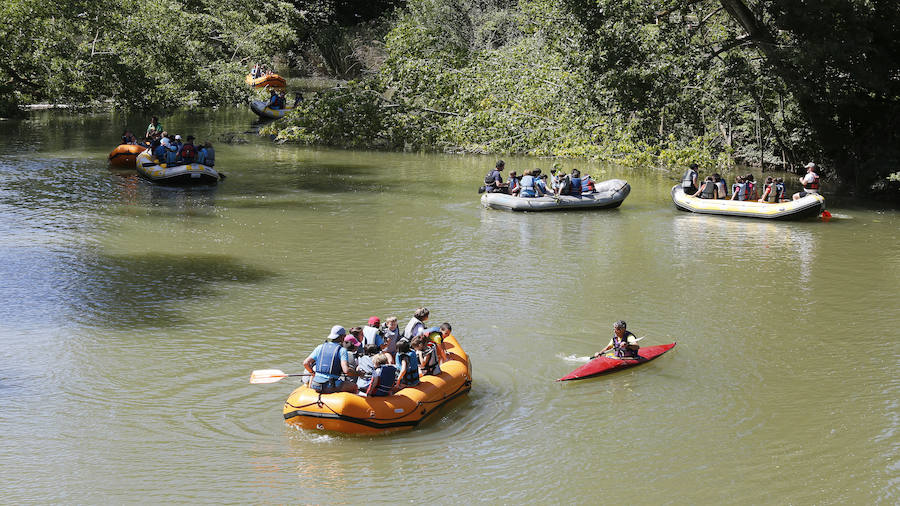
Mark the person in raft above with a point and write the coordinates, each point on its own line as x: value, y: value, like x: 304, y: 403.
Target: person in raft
x: 493, y: 181
x: 154, y: 128
x: 416, y: 325
x: 383, y: 377
x: 709, y: 190
x: 689, y: 180
x: 623, y: 342
x: 810, y: 182
x: 330, y: 361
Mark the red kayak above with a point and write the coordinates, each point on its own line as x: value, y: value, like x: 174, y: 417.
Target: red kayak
x: 606, y: 364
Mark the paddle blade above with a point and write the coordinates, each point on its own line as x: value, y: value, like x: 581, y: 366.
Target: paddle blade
x: 267, y: 376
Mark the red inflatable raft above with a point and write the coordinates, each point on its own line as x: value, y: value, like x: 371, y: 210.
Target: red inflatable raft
x: 606, y: 364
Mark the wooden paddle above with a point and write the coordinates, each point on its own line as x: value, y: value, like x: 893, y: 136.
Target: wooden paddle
x: 271, y: 375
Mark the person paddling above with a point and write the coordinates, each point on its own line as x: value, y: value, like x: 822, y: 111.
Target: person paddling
x: 330, y: 361
x: 623, y: 342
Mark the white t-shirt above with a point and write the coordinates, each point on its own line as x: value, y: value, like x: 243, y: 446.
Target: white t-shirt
x: 808, y: 179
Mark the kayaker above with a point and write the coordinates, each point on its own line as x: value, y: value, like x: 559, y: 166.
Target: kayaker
x: 330, y: 360
x: 416, y: 325
x: 689, y: 180
x: 623, y: 342
x: 154, y: 127
x: 709, y: 190
x: 383, y: 378
x: 810, y: 182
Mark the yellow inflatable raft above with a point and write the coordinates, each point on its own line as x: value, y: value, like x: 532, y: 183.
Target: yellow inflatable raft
x: 266, y: 81
x: 355, y: 414
x: 264, y: 111
x: 809, y: 206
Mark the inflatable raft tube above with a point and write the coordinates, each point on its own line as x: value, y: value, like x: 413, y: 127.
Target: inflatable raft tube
x: 809, y: 206
x: 354, y: 414
x: 184, y: 174
x: 264, y: 111
x: 608, y: 194
x: 608, y: 363
x: 125, y: 155
x: 266, y: 81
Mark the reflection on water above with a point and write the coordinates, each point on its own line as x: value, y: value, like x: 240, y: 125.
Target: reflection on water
x: 135, y: 312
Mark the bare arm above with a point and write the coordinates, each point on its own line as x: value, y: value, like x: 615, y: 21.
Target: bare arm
x: 308, y: 363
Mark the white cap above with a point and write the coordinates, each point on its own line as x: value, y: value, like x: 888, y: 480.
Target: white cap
x: 177, y: 137
x: 810, y: 165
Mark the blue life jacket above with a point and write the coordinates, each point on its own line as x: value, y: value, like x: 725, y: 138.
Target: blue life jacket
x: 387, y: 376
x: 586, y: 185
x: 575, y: 190
x: 527, y: 187
x: 329, y: 361
x: 171, y: 154
x: 779, y: 190
x: 541, y: 185
x: 159, y: 152
x: 201, y: 155
x: 412, y: 367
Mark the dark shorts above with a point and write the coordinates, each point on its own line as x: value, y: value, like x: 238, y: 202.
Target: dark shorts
x: 327, y: 387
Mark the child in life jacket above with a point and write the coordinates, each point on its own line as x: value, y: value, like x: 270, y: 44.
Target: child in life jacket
x: 383, y: 377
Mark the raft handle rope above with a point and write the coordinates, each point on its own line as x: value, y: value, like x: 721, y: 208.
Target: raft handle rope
x: 320, y: 403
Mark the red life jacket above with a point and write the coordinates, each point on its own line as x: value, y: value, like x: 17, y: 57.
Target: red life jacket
x: 815, y: 184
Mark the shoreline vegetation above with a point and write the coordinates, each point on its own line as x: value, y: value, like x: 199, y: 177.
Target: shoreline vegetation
x: 656, y: 83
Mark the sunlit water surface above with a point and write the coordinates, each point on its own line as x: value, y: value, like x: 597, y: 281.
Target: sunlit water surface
x: 133, y: 314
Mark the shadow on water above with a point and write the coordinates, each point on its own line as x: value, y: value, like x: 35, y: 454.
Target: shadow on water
x: 154, y: 289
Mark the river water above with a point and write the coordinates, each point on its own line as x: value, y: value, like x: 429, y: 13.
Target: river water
x: 133, y: 314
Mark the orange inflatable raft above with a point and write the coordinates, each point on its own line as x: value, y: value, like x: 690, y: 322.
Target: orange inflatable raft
x: 266, y: 81
x: 355, y: 414
x: 125, y: 155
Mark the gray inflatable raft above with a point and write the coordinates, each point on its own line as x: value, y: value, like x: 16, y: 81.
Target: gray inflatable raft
x: 608, y: 194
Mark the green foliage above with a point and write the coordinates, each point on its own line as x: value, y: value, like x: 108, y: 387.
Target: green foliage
x: 138, y: 52
x: 484, y: 77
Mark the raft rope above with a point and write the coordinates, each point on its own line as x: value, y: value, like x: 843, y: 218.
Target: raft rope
x: 320, y: 403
